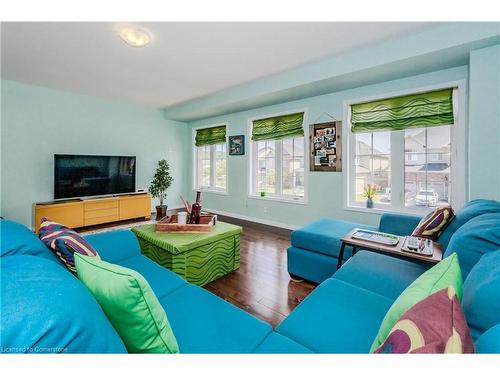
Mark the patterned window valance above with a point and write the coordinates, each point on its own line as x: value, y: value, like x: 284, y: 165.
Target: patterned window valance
x: 278, y: 127
x: 210, y: 136
x: 411, y: 111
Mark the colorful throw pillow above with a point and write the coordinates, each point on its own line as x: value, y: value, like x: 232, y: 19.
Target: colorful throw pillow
x: 432, y: 225
x: 130, y: 305
x: 64, y: 242
x: 443, y: 275
x: 434, y: 325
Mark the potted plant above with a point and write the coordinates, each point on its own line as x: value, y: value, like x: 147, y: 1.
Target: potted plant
x: 158, y: 188
x: 369, y: 193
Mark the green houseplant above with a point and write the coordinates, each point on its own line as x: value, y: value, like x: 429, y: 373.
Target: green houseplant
x: 159, y: 186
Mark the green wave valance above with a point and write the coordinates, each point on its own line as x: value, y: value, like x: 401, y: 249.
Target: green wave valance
x: 210, y: 136
x: 278, y: 127
x: 411, y: 111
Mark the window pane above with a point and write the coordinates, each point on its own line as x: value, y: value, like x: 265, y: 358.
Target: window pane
x: 266, y: 173
x: 298, y: 147
x: 363, y: 143
x: 381, y: 143
x: 373, y: 165
x: 287, y: 151
x: 438, y: 139
x: 293, y: 167
x: 381, y: 177
x: 204, y: 166
x: 415, y: 140
x: 363, y: 175
x: 427, y: 172
x: 220, y: 166
x: 266, y: 149
x: 266, y: 176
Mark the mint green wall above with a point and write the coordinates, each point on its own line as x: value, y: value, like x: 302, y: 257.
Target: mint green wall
x: 325, y: 189
x: 37, y: 122
x: 484, y: 120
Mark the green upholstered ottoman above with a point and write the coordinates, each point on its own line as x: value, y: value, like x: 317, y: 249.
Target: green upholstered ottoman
x: 198, y: 257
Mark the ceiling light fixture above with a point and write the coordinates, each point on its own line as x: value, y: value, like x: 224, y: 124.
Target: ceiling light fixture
x: 135, y: 37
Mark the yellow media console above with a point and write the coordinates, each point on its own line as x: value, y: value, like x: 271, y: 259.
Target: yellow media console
x: 82, y: 213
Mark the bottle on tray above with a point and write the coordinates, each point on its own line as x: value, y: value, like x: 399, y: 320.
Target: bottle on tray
x: 196, y: 210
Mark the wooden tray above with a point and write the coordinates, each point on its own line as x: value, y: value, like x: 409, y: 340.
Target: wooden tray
x: 170, y: 224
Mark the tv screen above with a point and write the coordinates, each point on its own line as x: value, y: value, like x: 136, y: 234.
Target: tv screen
x: 91, y: 175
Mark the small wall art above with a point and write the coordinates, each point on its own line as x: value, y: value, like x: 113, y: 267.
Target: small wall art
x: 236, y: 145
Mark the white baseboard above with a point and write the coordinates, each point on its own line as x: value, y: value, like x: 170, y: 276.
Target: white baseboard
x: 253, y: 219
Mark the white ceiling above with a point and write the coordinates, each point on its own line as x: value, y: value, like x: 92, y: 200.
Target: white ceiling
x: 184, y: 60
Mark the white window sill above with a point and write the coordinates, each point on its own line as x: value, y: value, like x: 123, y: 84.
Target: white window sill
x: 279, y: 199
x: 388, y: 210
x: 211, y: 191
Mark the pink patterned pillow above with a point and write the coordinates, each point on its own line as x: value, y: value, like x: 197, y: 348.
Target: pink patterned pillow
x: 432, y: 225
x: 434, y: 325
x: 64, y: 242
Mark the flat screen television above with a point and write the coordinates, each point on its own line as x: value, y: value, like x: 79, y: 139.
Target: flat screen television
x: 78, y: 176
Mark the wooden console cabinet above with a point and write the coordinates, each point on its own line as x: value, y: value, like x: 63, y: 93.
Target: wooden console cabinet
x: 82, y: 213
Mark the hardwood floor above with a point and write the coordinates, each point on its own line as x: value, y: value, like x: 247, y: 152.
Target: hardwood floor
x: 261, y: 285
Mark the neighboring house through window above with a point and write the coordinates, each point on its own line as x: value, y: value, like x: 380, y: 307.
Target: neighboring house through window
x: 404, y: 146
x: 278, y: 157
x: 210, y: 159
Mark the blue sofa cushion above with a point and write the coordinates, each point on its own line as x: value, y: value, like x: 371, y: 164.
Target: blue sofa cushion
x: 337, y: 317
x: 489, y: 342
x: 204, y: 323
x: 46, y: 309
x: 323, y: 236
x: 279, y: 344
x: 399, y: 224
x: 481, y: 295
x: 161, y: 280
x: 478, y: 236
x: 115, y: 245
x: 17, y: 239
x: 382, y: 274
x: 310, y: 265
x: 470, y: 210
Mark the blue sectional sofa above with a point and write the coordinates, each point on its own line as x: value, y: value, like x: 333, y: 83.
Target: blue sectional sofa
x: 44, y: 308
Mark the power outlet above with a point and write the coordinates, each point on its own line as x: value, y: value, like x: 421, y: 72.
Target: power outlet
x: 265, y: 210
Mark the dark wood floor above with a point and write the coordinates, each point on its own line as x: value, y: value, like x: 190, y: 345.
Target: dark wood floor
x: 261, y: 285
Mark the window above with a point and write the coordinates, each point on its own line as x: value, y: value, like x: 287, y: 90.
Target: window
x: 427, y: 174
x: 372, y: 165
x: 409, y: 159
x: 278, y: 158
x: 210, y: 159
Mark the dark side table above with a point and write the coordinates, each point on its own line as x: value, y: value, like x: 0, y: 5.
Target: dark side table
x: 395, y: 250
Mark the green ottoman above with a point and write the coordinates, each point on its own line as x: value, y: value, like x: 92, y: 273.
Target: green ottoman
x: 198, y: 257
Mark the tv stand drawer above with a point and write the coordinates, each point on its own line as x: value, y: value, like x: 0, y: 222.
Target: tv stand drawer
x: 100, y: 220
x: 100, y: 204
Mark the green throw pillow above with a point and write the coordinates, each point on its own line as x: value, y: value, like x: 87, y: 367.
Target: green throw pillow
x: 443, y: 275
x: 130, y: 304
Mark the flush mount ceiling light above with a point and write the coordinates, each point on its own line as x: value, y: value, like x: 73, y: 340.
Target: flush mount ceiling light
x: 135, y: 37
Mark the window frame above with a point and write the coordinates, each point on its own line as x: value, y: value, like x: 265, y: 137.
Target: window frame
x: 212, y: 188
x: 251, y: 146
x: 458, y: 172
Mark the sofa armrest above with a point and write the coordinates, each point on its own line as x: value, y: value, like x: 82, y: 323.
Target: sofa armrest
x: 115, y: 245
x: 399, y: 224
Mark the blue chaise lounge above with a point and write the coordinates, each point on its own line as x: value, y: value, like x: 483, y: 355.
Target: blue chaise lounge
x: 314, y: 250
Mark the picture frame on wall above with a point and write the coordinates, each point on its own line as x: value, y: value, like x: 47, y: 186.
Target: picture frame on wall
x: 326, y: 147
x: 236, y: 145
